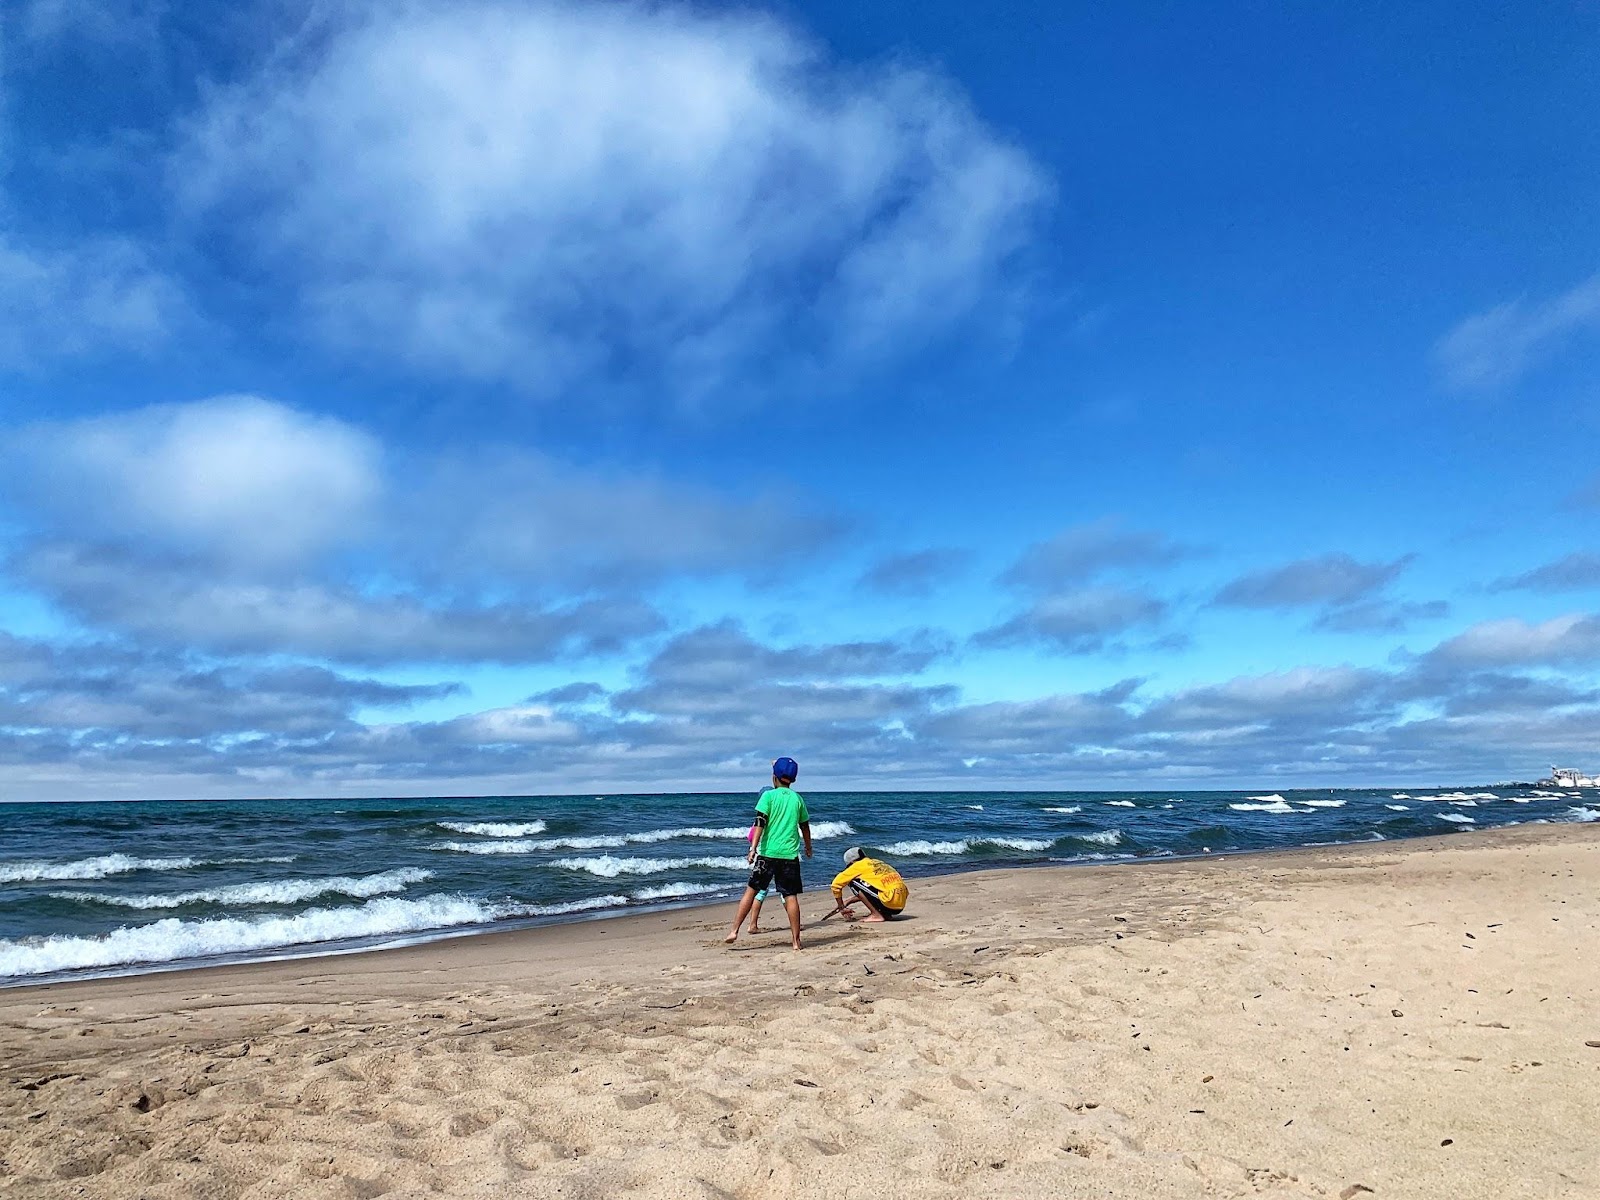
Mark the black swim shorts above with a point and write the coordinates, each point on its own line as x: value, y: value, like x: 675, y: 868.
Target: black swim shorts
x: 782, y: 873
x: 874, y: 901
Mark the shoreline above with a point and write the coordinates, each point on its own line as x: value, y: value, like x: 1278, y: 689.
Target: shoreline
x: 1408, y: 1017
x: 390, y: 944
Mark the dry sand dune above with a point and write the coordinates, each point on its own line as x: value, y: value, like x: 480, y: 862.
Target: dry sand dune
x: 1417, y: 1020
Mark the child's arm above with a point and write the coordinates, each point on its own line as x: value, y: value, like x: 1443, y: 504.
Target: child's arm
x: 756, y: 835
x: 805, y: 832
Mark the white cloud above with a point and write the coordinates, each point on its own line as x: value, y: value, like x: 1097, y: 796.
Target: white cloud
x: 502, y: 512
x: 1496, y: 347
x: 1081, y: 620
x: 1570, y: 639
x: 177, y: 605
x: 236, y: 478
x: 540, y: 192
x: 100, y: 294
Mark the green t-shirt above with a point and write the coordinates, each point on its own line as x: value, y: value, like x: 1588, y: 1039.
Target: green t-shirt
x: 785, y: 810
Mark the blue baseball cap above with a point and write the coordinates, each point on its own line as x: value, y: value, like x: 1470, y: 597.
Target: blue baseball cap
x: 785, y: 768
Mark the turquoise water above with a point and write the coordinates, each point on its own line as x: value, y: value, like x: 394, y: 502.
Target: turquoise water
x: 113, y: 888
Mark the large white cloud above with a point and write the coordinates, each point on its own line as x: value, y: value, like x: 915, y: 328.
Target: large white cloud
x: 542, y: 191
x: 236, y: 479
x: 1573, y: 639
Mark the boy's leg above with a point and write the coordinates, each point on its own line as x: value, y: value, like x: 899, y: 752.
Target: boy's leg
x: 791, y: 905
x: 746, y: 901
x: 755, y: 913
x: 875, y: 913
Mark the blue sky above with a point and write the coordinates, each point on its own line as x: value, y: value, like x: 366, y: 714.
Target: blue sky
x: 531, y: 397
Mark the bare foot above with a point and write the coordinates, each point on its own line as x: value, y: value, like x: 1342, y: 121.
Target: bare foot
x: 874, y: 919
x: 796, y: 944
x: 756, y: 929
x: 732, y: 937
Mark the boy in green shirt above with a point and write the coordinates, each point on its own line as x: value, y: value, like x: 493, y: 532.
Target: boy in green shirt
x: 784, y: 823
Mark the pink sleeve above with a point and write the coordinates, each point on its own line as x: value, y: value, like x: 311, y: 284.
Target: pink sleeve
x: 754, y: 830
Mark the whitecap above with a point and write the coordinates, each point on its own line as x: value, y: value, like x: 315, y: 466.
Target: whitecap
x: 961, y: 846
x: 1456, y: 818
x: 1070, y: 808
x: 1398, y: 807
x: 282, y: 891
x: 1121, y: 804
x: 1272, y: 799
x: 1400, y: 796
x: 1455, y: 797
x: 607, y: 841
x: 1276, y: 805
x: 1580, y: 813
x: 674, y: 891
x: 90, y: 868
x: 1323, y: 803
x: 973, y: 807
x: 572, y: 906
x: 1103, y: 837
x: 172, y: 939
x: 494, y: 829
x: 608, y: 866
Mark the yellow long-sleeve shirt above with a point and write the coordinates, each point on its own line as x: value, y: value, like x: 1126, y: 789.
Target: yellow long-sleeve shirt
x: 879, y: 877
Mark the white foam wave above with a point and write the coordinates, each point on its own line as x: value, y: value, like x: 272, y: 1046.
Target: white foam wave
x: 1070, y: 808
x: 89, y: 868
x: 1400, y: 796
x: 1464, y: 803
x: 1276, y: 805
x: 1272, y: 799
x: 608, y: 866
x: 1121, y: 804
x: 1103, y: 837
x: 674, y: 891
x: 973, y: 807
x: 615, y: 841
x: 962, y: 845
x: 1456, y: 818
x: 1580, y: 813
x: 282, y: 891
x: 572, y: 906
x: 1536, y: 794
x: 1456, y: 797
x: 105, y: 865
x: 1323, y: 803
x: 497, y: 829
x: 1398, y: 807
x: 172, y: 939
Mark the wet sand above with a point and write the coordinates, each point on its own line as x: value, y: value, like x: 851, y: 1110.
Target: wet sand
x: 1412, y: 1019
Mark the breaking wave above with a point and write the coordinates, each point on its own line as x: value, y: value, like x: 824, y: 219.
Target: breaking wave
x: 615, y: 841
x: 920, y: 847
x: 495, y: 829
x: 106, y: 865
x: 1274, y: 804
x: 676, y: 891
x: 172, y: 939
x: 283, y: 891
x: 609, y: 867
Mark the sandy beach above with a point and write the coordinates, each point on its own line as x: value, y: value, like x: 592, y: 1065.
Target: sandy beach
x: 1394, y: 1020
